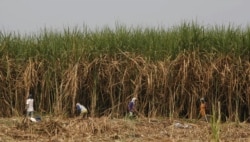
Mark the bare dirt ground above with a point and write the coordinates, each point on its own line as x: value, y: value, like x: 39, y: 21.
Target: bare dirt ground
x: 105, y: 129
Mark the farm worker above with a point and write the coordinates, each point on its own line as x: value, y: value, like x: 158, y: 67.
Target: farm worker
x: 81, y: 110
x: 29, y: 106
x: 203, y: 108
x: 131, y: 107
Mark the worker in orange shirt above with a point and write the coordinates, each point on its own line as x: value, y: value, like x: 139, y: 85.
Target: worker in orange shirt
x: 203, y: 109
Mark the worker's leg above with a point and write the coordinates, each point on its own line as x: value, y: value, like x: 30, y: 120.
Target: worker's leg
x: 85, y: 115
x: 31, y: 114
x: 130, y: 114
x: 28, y: 114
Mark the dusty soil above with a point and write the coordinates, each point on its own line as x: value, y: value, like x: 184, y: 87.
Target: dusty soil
x: 105, y: 129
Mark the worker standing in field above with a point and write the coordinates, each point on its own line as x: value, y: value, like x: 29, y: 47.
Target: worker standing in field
x: 203, y: 109
x: 81, y: 110
x: 131, y: 107
x: 30, y: 106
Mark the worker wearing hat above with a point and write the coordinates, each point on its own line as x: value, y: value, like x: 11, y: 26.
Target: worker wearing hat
x: 81, y: 110
x: 131, y: 107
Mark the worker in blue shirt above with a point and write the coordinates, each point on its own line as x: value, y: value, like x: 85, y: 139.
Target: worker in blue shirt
x: 131, y: 107
x: 81, y: 110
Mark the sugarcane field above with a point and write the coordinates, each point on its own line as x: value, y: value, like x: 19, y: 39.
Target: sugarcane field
x: 185, y: 83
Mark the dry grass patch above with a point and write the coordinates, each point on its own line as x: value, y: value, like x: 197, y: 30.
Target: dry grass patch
x: 119, y: 130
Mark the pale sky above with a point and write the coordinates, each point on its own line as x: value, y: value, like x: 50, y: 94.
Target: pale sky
x: 25, y: 16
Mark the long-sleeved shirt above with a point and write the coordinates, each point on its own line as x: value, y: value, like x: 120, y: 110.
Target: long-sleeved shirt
x: 131, y: 106
x: 80, y: 108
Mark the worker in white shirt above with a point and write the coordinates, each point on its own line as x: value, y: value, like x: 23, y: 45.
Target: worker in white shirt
x: 29, y: 106
x: 81, y: 110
